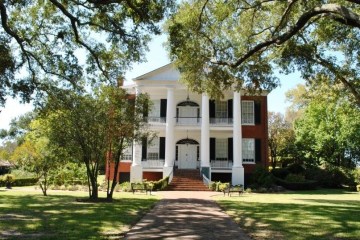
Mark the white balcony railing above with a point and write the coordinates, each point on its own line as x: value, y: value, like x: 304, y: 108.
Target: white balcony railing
x: 158, y: 163
x: 155, y: 119
x: 189, y: 121
x: 221, y: 164
x: 221, y: 121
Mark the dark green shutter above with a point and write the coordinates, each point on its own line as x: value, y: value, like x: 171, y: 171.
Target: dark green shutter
x: 230, y: 108
x: 257, y: 150
x: 212, y: 108
x: 212, y: 148
x: 163, y: 105
x: 257, y: 109
x: 230, y: 149
x: 144, y: 148
x: 162, y: 148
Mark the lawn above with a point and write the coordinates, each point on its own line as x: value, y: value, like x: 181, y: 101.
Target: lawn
x: 26, y: 214
x: 321, y: 214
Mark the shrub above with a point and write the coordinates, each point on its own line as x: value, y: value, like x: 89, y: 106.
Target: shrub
x: 358, y: 188
x: 20, y: 182
x: 262, y: 178
x: 280, y: 172
x: 223, y: 186
x: 296, y: 168
x: 212, y: 186
x: 356, y: 175
x: 295, y: 178
x: 160, y: 184
x: 305, y: 185
x: 248, y: 190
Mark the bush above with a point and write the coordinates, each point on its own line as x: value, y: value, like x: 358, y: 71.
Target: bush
x: 356, y: 175
x: 212, y: 186
x: 305, y: 185
x: 262, y: 178
x: 296, y: 168
x: 20, y: 182
x: 295, y: 178
x: 160, y: 184
x: 280, y: 172
x: 358, y: 188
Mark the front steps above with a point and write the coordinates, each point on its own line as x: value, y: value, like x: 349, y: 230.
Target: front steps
x: 187, y: 180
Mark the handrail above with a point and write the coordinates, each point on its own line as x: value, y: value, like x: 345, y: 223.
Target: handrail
x: 171, y: 174
x: 206, y: 181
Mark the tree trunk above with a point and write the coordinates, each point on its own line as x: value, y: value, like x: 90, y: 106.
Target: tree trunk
x: 93, y: 192
x: 116, y: 168
x: 44, y: 187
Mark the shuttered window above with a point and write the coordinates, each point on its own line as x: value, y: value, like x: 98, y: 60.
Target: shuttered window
x: 248, y: 150
x: 247, y: 112
x: 221, y: 149
x: 153, y: 149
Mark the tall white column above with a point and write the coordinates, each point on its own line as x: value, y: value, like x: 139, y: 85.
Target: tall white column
x: 238, y: 169
x: 170, y: 132
x: 205, y: 135
x: 136, y: 167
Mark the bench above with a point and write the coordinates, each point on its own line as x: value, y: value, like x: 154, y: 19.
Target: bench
x: 140, y: 187
x: 230, y: 189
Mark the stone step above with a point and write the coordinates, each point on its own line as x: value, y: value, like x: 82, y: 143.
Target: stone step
x: 187, y: 180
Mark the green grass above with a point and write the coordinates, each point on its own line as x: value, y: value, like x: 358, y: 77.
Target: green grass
x: 26, y: 214
x: 321, y: 214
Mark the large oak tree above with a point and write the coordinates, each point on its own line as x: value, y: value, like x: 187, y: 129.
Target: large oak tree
x: 221, y: 44
x: 51, y: 44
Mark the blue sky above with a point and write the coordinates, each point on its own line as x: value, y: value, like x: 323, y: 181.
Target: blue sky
x: 156, y: 58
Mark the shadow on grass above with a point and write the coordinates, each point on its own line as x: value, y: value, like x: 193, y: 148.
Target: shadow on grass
x: 322, y: 191
x: 61, y: 217
x: 298, y: 221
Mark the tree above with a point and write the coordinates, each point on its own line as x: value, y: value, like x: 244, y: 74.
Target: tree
x: 19, y: 126
x: 55, y: 43
x: 125, y: 124
x: 218, y: 45
x: 329, y: 127
x: 281, y: 136
x: 36, y: 155
x: 91, y: 126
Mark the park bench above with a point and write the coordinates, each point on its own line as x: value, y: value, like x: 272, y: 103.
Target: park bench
x: 140, y: 187
x: 230, y: 189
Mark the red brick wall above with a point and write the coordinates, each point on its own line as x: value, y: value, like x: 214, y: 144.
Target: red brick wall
x: 152, y: 176
x: 258, y: 132
x: 123, y: 167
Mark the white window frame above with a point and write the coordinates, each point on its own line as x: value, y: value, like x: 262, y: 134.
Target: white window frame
x: 127, y: 153
x: 153, y: 149
x: 247, y: 112
x: 221, y: 109
x: 248, y: 150
x: 221, y: 149
x: 155, y: 109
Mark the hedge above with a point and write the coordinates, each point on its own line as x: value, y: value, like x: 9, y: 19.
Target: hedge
x: 20, y: 182
x: 159, y: 185
x: 306, y: 185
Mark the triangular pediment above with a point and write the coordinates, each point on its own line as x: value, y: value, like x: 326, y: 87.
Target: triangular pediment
x: 164, y: 73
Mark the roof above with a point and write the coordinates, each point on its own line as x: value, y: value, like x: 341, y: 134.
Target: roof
x: 167, y: 72
x: 5, y: 163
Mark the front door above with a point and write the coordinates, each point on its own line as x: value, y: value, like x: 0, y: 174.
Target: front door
x: 187, y: 156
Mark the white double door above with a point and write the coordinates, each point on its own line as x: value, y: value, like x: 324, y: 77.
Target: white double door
x: 187, y: 156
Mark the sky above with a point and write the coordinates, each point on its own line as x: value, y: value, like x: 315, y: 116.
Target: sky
x: 157, y: 57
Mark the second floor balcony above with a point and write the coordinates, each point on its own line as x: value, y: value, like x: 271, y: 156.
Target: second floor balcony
x: 192, y: 121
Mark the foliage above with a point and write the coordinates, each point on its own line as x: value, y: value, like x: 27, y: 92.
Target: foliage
x: 8, y: 178
x: 160, y: 184
x: 218, y: 186
x: 36, y: 155
x: 358, y: 188
x: 69, y: 173
x: 261, y: 178
x: 219, y: 45
x: 19, y: 126
x: 296, y: 168
x: 20, y: 172
x: 54, y: 44
x: 328, y: 130
x: 19, y: 182
x: 356, y: 174
x: 295, y: 178
x: 280, y: 137
x: 91, y: 127
x: 280, y: 172
x: 293, y: 184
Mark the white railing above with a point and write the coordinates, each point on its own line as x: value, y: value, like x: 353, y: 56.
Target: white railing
x: 206, y: 181
x: 155, y: 119
x: 221, y: 121
x: 221, y: 164
x: 158, y: 163
x: 188, y: 121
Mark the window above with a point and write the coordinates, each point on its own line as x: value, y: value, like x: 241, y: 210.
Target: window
x: 155, y: 110
x: 127, y: 153
x: 248, y: 150
x: 247, y: 112
x: 220, y: 109
x: 153, y: 149
x: 221, y: 148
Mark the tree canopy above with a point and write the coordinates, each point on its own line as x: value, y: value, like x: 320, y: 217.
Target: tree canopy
x: 222, y: 44
x: 46, y: 45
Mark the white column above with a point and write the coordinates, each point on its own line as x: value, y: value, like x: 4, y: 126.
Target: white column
x: 170, y: 132
x: 136, y: 167
x: 205, y: 135
x: 238, y: 169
